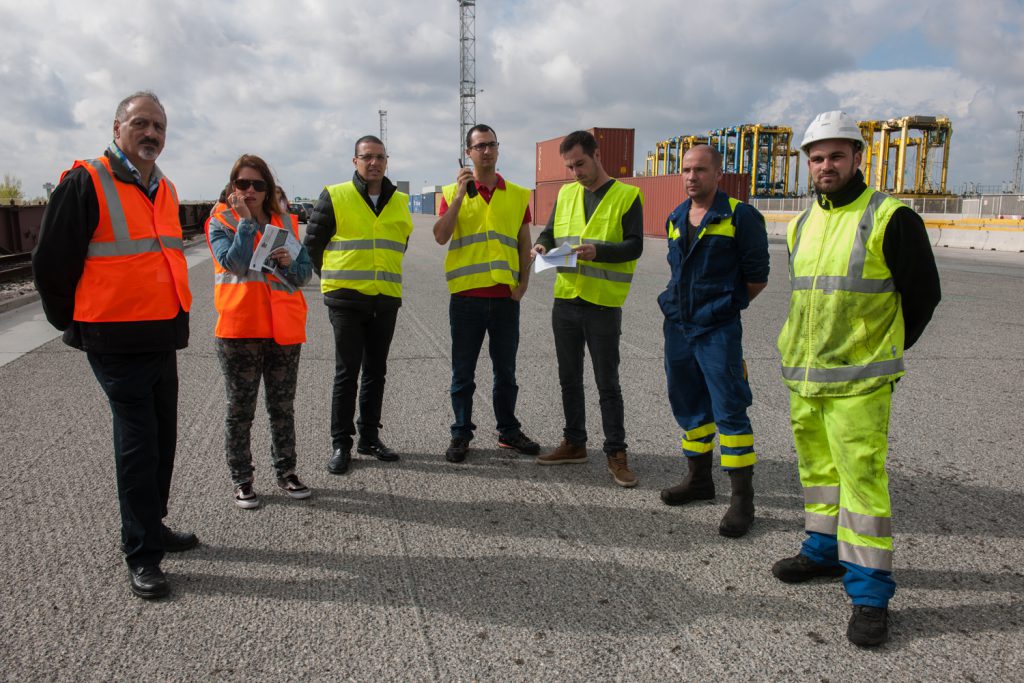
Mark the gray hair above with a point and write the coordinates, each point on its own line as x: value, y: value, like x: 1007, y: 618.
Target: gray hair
x: 122, y: 108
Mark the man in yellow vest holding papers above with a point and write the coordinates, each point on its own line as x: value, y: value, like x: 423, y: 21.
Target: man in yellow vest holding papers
x: 602, y: 219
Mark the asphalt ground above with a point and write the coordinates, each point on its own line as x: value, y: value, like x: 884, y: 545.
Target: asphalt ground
x: 497, y: 569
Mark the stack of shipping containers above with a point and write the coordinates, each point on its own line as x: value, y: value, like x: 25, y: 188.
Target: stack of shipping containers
x: 616, y: 145
x: 661, y: 194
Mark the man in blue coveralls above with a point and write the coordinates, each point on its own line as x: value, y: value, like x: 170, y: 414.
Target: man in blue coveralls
x: 718, y: 253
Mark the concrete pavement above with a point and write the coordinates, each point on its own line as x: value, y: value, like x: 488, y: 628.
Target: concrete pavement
x: 497, y: 569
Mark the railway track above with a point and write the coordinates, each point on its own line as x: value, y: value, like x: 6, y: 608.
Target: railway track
x: 15, y: 266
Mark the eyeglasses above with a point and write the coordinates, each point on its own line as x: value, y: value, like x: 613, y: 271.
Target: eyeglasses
x: 371, y: 157
x: 244, y: 184
x: 484, y: 145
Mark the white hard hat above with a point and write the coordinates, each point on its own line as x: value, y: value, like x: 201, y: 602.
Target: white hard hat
x: 832, y: 125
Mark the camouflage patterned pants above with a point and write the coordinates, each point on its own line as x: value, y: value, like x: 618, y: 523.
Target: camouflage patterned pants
x: 244, y: 362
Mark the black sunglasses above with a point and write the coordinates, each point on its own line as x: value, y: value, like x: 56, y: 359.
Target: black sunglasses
x: 258, y: 185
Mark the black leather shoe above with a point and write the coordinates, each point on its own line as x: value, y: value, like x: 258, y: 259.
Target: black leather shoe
x: 338, y: 464
x: 149, y: 583
x: 457, y: 450
x: 377, y: 449
x: 177, y: 541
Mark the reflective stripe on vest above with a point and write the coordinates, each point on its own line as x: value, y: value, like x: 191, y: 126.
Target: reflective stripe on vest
x: 366, y: 251
x: 724, y: 227
x: 603, y: 284
x: 844, y: 332
x: 135, y: 267
x: 484, y: 249
x: 256, y: 305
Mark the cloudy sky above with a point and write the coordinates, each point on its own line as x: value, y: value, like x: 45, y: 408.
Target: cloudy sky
x: 297, y: 82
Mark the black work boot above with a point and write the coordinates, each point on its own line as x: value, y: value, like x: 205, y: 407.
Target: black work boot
x: 740, y: 515
x: 698, y: 484
x: 869, y: 626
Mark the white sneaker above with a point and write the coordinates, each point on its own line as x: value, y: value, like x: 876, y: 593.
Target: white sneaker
x: 245, y: 497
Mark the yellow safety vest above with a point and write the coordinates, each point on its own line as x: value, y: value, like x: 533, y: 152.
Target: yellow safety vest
x: 484, y: 249
x: 844, y: 332
x: 604, y: 284
x: 366, y: 251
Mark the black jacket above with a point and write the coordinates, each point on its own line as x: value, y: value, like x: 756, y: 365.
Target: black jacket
x: 58, y: 260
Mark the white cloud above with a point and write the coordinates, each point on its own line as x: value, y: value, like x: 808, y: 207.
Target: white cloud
x: 298, y: 82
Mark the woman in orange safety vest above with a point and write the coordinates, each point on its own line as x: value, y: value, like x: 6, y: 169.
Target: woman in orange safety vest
x: 261, y: 322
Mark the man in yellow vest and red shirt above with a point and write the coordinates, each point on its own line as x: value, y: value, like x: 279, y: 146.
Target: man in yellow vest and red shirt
x: 487, y: 230
x: 357, y: 237
x: 864, y: 286
x: 111, y: 273
x: 603, y: 220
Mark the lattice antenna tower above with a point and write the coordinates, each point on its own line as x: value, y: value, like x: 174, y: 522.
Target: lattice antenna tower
x: 383, y: 114
x: 467, y: 70
x: 1020, y: 154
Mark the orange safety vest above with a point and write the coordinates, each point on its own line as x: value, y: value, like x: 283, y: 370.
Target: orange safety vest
x: 257, y: 305
x: 135, y: 267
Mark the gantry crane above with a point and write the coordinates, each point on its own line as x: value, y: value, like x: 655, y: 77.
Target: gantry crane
x: 888, y: 174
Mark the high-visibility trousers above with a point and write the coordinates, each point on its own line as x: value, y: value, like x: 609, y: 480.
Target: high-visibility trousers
x: 709, y: 392
x: 841, y: 444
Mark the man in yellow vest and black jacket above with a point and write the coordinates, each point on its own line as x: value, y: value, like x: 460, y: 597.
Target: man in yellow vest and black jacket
x: 357, y: 237
x: 603, y: 220
x: 487, y: 230
x: 864, y: 287
x: 111, y: 272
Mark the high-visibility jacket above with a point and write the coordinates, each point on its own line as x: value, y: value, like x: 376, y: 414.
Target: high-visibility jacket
x: 135, y: 267
x: 844, y: 332
x: 484, y: 249
x: 256, y: 305
x: 604, y: 284
x: 366, y: 251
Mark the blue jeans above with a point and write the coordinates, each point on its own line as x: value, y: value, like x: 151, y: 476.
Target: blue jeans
x: 471, y: 318
x: 579, y: 326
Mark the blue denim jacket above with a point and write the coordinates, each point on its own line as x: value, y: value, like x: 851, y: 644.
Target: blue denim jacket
x: 708, y: 287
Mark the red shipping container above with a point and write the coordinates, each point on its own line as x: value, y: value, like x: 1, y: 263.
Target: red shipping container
x: 616, y: 145
x: 544, y: 200
x: 664, y: 193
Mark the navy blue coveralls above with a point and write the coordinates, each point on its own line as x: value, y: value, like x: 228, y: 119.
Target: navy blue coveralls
x: 707, y: 379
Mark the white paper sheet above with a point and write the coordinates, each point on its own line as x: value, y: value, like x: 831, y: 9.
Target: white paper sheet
x: 562, y: 255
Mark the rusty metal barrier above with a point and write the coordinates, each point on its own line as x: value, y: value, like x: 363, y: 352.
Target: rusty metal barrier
x: 19, y: 224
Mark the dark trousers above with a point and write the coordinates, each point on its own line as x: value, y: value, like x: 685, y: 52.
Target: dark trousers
x: 362, y: 340
x: 244, y: 362
x: 596, y: 328
x: 143, y: 392
x: 471, y: 318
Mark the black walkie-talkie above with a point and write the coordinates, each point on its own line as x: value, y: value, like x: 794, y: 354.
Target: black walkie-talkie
x: 471, y: 185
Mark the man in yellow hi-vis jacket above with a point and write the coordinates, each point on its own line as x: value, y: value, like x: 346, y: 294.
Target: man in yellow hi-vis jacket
x: 864, y: 287
x: 357, y: 239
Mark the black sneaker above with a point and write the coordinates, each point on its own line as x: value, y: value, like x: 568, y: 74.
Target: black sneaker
x: 377, y: 449
x: 291, y: 485
x: 457, y: 450
x: 801, y: 568
x: 519, y: 443
x: 869, y: 626
x: 245, y: 497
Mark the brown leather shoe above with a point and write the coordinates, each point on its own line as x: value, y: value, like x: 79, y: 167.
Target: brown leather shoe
x: 620, y: 470
x: 567, y: 453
